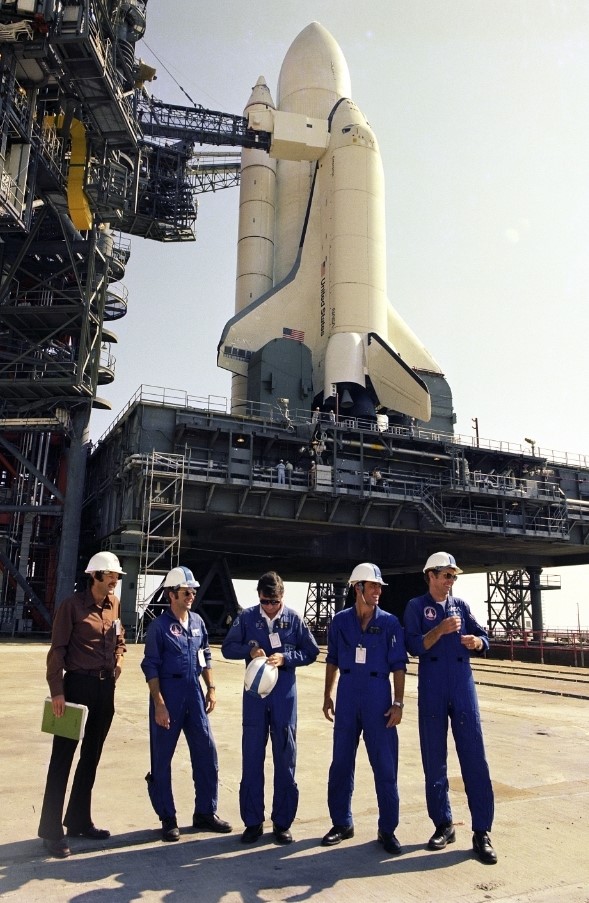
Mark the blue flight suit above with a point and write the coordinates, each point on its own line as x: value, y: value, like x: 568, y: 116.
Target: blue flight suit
x: 275, y: 714
x: 446, y: 690
x: 176, y: 656
x: 363, y: 697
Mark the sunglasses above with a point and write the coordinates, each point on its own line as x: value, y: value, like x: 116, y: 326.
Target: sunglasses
x: 452, y: 577
x: 269, y: 601
x: 188, y: 592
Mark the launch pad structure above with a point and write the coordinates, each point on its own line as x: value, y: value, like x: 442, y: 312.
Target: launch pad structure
x: 89, y: 159
x: 182, y: 478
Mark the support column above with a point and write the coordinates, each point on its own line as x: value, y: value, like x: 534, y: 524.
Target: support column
x: 340, y: 593
x: 130, y: 564
x: 536, y: 600
x: 72, y: 509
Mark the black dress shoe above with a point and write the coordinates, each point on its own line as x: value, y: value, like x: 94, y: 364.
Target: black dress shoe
x: 282, y: 835
x: 390, y: 843
x: 442, y: 836
x: 170, y: 831
x: 481, y: 844
x: 57, y: 848
x: 210, y: 823
x: 92, y: 833
x: 336, y: 834
x: 251, y: 833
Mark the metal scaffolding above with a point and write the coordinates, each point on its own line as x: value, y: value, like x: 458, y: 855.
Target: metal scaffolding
x: 323, y: 601
x: 160, y: 531
x: 513, y: 600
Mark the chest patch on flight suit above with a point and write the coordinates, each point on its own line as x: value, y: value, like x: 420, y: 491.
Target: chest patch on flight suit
x: 429, y: 613
x: 175, y: 630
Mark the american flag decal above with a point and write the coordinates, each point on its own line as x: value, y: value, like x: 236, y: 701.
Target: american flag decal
x: 297, y: 334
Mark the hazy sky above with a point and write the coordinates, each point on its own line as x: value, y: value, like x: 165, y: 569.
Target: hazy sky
x: 480, y: 108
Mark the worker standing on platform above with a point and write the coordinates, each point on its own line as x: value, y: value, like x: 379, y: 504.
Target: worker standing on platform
x: 442, y: 631
x: 177, y: 655
x: 278, y: 634
x: 288, y: 468
x: 365, y: 644
x: 87, y: 643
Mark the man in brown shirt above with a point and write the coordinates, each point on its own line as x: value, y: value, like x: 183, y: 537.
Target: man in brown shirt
x: 83, y: 665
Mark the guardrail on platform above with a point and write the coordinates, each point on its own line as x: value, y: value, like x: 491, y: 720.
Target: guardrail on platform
x: 222, y: 405
x: 553, y: 646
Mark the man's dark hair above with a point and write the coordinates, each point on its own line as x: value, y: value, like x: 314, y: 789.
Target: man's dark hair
x: 97, y: 575
x: 169, y: 591
x: 428, y: 572
x: 271, y: 585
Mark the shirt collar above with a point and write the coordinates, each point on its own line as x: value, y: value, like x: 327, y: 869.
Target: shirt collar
x: 90, y: 601
x: 270, y: 621
x: 168, y: 611
x: 443, y: 603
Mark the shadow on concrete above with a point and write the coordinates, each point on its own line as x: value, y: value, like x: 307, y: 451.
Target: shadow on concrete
x: 129, y: 866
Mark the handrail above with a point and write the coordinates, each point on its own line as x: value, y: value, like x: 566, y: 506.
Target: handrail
x: 220, y: 404
x: 416, y: 490
x: 556, y: 640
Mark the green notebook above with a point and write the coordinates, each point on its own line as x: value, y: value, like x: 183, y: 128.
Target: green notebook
x: 71, y: 724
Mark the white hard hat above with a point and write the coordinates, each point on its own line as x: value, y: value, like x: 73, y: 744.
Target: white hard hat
x: 104, y: 561
x: 366, y: 571
x: 260, y: 677
x: 441, y: 560
x: 180, y: 576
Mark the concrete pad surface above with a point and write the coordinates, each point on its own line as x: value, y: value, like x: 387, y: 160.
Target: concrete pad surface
x: 538, y: 751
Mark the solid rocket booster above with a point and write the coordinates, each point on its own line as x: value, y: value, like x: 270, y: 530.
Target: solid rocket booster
x: 350, y: 188
x: 329, y: 283
x: 255, y: 245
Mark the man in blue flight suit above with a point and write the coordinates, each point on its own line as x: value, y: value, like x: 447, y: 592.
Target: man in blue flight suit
x: 177, y: 655
x: 365, y: 644
x: 278, y: 634
x: 442, y: 631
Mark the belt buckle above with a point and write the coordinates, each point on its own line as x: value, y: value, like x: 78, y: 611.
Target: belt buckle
x: 102, y: 674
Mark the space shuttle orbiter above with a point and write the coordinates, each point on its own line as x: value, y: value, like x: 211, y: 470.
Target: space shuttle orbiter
x: 312, y: 243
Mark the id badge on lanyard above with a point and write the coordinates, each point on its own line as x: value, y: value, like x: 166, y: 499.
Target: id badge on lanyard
x: 360, y: 655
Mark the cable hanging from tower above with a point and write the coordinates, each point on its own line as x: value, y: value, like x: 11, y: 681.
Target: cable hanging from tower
x: 174, y: 79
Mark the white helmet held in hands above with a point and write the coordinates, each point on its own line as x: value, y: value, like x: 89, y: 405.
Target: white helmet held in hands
x: 104, y: 561
x: 180, y: 576
x: 440, y: 560
x: 260, y: 677
x: 366, y: 571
